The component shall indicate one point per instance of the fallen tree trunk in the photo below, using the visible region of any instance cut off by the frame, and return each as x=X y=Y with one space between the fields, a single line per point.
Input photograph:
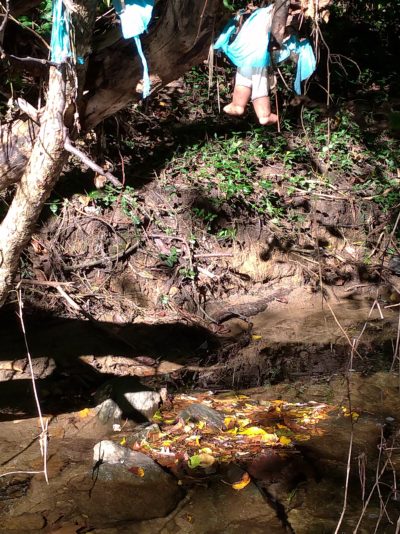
x=180 y=39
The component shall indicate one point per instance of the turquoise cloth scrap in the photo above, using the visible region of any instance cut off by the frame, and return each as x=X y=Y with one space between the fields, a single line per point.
x=249 y=49
x=60 y=44
x=306 y=64
x=135 y=16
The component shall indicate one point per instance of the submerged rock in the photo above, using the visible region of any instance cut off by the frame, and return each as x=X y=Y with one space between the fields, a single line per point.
x=200 y=412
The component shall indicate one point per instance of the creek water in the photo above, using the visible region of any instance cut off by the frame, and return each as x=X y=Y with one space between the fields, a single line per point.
x=307 y=353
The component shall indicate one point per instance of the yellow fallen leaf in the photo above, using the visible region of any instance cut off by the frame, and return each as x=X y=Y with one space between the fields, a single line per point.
x=84 y=413
x=355 y=416
x=123 y=441
x=269 y=438
x=243 y=482
x=285 y=440
x=253 y=431
x=242 y=422
x=201 y=460
x=138 y=471
x=256 y=338
x=201 y=424
x=206 y=450
x=228 y=421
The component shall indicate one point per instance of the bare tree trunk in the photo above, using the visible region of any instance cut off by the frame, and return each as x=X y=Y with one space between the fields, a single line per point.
x=44 y=167
x=48 y=154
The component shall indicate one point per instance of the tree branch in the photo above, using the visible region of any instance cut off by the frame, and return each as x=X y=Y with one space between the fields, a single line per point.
x=91 y=164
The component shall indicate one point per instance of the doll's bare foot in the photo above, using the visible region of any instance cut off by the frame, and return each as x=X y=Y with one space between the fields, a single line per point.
x=269 y=119
x=231 y=109
x=240 y=97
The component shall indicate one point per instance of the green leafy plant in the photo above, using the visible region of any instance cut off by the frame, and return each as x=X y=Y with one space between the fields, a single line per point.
x=110 y=196
x=172 y=258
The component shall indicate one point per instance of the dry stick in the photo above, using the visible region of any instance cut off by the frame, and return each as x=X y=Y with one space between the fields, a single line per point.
x=43 y=424
x=348 y=468
x=214 y=255
x=277 y=111
x=354 y=344
x=342 y=329
x=28 y=59
x=200 y=21
x=370 y=496
x=44 y=283
x=396 y=350
x=5 y=20
x=100 y=261
x=398 y=526
x=377 y=476
x=69 y=147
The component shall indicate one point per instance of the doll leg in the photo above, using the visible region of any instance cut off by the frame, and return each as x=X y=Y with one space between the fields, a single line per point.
x=241 y=95
x=260 y=98
x=262 y=107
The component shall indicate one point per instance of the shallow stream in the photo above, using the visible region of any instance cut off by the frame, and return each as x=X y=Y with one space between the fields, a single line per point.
x=302 y=352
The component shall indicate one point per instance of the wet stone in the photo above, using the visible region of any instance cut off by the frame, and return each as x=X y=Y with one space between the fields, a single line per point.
x=200 y=412
x=128 y=486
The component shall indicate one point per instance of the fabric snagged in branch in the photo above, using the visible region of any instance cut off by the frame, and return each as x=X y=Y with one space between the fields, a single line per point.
x=135 y=16
x=60 y=43
x=249 y=49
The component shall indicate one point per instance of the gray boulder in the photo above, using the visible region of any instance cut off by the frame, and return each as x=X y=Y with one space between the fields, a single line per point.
x=127 y=486
x=126 y=397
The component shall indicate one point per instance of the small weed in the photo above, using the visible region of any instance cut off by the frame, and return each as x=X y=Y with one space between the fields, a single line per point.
x=187 y=273
x=207 y=216
x=227 y=233
x=164 y=299
x=110 y=195
x=172 y=258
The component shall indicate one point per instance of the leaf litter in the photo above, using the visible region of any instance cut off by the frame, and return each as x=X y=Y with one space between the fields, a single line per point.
x=250 y=427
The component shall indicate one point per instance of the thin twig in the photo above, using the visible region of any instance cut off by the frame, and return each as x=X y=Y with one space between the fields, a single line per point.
x=101 y=261
x=43 y=440
x=200 y=21
x=91 y=164
x=350 y=452
x=5 y=20
x=43 y=283
x=28 y=59
x=214 y=255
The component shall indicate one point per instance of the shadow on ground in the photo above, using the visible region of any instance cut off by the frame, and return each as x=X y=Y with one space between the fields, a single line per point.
x=68 y=383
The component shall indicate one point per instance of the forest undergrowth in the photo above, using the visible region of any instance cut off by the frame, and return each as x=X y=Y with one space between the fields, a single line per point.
x=214 y=207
